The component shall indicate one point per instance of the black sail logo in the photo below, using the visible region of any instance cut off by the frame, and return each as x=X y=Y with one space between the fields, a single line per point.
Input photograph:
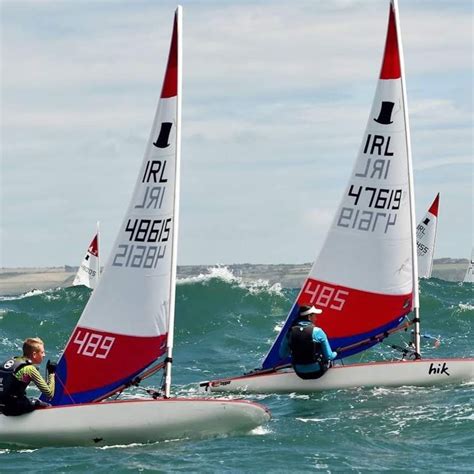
x=385 y=114
x=163 y=138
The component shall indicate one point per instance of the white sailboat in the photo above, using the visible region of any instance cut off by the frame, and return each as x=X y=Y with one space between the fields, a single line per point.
x=365 y=278
x=126 y=329
x=469 y=276
x=426 y=239
x=89 y=270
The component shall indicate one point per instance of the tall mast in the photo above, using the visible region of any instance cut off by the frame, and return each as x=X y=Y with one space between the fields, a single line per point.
x=98 y=253
x=169 y=357
x=411 y=189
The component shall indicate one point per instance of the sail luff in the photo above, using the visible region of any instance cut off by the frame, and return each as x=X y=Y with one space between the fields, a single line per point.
x=411 y=188
x=174 y=256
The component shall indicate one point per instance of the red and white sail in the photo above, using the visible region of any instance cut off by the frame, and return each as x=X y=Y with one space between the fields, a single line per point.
x=125 y=326
x=363 y=277
x=89 y=270
x=426 y=239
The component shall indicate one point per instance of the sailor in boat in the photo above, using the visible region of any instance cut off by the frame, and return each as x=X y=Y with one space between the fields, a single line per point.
x=308 y=345
x=17 y=373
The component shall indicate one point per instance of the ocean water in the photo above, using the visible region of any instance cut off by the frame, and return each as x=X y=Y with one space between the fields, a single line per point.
x=225 y=327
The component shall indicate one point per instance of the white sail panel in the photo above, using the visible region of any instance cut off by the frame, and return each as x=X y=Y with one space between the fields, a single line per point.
x=368 y=246
x=469 y=276
x=140 y=261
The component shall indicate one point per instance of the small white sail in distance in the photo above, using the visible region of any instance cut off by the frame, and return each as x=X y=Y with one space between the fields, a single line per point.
x=88 y=273
x=426 y=239
x=469 y=276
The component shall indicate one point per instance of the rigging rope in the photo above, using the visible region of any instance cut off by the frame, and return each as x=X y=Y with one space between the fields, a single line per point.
x=134 y=382
x=377 y=338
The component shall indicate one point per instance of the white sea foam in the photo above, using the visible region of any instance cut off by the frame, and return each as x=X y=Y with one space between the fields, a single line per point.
x=33 y=292
x=7 y=451
x=260 y=431
x=317 y=420
x=299 y=396
x=278 y=327
x=9 y=344
x=119 y=446
x=52 y=295
x=218 y=272
x=225 y=274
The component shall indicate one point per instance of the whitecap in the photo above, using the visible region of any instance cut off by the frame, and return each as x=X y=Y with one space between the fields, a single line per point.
x=317 y=420
x=260 y=431
x=33 y=292
x=225 y=274
x=218 y=272
x=298 y=396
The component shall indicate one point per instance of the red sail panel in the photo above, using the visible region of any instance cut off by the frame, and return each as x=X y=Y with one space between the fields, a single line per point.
x=94 y=247
x=170 y=84
x=97 y=362
x=349 y=312
x=391 y=57
x=434 y=207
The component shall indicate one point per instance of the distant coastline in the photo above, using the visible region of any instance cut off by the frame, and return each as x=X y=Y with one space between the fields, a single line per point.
x=15 y=281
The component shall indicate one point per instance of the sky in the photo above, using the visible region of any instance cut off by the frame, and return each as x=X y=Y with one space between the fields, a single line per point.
x=276 y=97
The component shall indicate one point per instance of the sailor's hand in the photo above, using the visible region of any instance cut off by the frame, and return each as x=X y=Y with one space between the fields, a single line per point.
x=51 y=367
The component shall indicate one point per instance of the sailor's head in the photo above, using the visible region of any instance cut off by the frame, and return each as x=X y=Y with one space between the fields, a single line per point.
x=33 y=349
x=308 y=312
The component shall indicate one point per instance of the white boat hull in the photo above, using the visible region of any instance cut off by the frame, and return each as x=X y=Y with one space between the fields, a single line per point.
x=378 y=374
x=130 y=421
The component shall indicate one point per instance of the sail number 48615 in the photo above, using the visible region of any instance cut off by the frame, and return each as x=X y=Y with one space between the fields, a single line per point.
x=324 y=296
x=93 y=345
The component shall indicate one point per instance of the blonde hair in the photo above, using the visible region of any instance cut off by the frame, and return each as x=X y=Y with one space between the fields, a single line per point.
x=32 y=344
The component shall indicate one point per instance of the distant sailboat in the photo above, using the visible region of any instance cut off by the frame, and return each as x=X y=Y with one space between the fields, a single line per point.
x=469 y=276
x=426 y=239
x=125 y=332
x=89 y=270
x=365 y=278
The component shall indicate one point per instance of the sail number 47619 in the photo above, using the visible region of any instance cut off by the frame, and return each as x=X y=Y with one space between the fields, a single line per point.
x=93 y=345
